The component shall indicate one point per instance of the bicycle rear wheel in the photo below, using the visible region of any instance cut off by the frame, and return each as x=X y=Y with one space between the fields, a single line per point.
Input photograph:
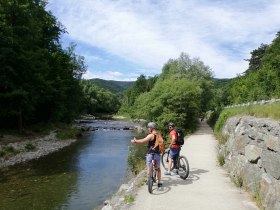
x=165 y=160
x=184 y=167
x=151 y=178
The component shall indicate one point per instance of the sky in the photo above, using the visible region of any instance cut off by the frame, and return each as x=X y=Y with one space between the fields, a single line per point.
x=122 y=39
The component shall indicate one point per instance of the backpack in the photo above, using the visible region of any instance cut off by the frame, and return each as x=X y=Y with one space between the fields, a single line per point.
x=180 y=136
x=160 y=143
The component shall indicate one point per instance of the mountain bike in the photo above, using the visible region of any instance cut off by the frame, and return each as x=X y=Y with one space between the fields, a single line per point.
x=152 y=173
x=180 y=164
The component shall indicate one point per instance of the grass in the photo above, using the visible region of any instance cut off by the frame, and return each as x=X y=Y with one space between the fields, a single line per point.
x=221 y=159
x=67 y=132
x=129 y=198
x=271 y=111
x=7 y=151
x=30 y=147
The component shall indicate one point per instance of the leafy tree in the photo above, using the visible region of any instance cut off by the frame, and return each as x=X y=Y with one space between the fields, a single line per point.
x=98 y=100
x=255 y=62
x=181 y=93
x=38 y=80
x=262 y=79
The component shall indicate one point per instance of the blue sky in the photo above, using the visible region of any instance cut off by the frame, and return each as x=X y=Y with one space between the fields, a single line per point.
x=121 y=39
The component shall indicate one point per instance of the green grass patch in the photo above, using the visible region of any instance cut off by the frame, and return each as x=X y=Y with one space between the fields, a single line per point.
x=136 y=158
x=8 y=151
x=221 y=159
x=129 y=198
x=67 y=132
x=30 y=147
x=271 y=111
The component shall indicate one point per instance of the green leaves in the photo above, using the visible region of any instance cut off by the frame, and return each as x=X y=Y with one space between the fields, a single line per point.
x=38 y=79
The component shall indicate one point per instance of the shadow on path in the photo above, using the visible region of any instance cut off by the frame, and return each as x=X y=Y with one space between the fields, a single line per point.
x=170 y=182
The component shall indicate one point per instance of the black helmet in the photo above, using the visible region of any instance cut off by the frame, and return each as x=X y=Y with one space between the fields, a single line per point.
x=171 y=124
x=152 y=125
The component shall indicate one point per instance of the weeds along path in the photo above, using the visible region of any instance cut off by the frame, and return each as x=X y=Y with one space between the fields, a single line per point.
x=207 y=187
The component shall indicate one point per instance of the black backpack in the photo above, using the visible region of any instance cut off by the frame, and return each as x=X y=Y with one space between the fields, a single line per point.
x=180 y=136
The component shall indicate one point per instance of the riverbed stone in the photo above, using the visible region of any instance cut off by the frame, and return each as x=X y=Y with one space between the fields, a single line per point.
x=252 y=153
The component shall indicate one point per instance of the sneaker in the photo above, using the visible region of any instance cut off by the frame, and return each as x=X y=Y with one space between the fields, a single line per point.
x=175 y=171
x=159 y=184
x=167 y=173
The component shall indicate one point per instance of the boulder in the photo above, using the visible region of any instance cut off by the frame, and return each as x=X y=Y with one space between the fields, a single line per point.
x=253 y=153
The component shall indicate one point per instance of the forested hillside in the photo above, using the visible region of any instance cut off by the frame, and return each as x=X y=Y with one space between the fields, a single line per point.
x=262 y=79
x=111 y=85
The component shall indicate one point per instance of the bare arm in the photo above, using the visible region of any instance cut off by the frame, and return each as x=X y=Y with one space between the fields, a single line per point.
x=144 y=140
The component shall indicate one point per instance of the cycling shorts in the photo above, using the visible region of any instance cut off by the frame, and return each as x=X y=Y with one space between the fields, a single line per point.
x=174 y=152
x=149 y=159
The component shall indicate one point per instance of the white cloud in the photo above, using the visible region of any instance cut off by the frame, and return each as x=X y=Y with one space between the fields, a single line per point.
x=221 y=33
x=110 y=75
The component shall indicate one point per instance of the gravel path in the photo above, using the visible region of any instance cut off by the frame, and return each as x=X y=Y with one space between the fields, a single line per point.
x=207 y=187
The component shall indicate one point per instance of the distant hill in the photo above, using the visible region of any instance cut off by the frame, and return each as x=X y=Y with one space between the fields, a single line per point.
x=112 y=85
x=221 y=83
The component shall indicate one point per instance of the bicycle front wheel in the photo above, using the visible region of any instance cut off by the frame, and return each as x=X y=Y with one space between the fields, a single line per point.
x=184 y=168
x=151 y=178
x=165 y=159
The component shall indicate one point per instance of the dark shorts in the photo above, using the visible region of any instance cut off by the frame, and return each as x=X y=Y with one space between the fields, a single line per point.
x=174 y=152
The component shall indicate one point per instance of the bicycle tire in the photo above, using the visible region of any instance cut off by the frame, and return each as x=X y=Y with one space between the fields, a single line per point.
x=184 y=168
x=151 y=178
x=165 y=160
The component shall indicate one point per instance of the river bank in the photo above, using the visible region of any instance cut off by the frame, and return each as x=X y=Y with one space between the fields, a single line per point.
x=22 y=150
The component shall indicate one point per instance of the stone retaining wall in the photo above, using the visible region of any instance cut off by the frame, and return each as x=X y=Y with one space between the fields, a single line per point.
x=252 y=157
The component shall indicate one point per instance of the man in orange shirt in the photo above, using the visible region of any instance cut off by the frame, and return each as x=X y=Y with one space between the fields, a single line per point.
x=174 y=147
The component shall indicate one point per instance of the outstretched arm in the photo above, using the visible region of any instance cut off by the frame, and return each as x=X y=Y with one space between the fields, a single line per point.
x=141 y=141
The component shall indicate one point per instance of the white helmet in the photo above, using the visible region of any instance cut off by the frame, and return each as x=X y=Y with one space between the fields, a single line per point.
x=152 y=125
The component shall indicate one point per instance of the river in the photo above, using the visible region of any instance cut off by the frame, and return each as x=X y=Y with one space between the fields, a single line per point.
x=79 y=177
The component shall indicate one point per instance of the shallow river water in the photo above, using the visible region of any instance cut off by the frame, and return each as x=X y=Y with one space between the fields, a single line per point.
x=79 y=177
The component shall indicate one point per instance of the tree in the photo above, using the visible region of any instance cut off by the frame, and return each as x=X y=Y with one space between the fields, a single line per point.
x=38 y=80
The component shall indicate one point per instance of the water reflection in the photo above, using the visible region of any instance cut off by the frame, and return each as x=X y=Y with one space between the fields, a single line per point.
x=81 y=176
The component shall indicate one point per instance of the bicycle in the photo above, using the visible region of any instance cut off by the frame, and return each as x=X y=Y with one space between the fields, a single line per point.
x=180 y=164
x=152 y=173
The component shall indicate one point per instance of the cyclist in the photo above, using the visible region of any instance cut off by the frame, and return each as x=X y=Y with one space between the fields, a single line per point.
x=174 y=147
x=151 y=140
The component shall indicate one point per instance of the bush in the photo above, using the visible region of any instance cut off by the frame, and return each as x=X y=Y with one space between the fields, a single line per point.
x=136 y=158
x=29 y=147
x=67 y=133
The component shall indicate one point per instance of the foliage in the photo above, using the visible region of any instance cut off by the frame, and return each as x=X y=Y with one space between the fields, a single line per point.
x=38 y=80
x=262 y=79
x=129 y=198
x=141 y=85
x=30 y=147
x=8 y=151
x=181 y=93
x=262 y=111
x=136 y=158
x=98 y=100
x=67 y=132
x=112 y=86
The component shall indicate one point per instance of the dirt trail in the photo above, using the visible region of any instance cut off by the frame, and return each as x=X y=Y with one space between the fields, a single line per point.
x=207 y=187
